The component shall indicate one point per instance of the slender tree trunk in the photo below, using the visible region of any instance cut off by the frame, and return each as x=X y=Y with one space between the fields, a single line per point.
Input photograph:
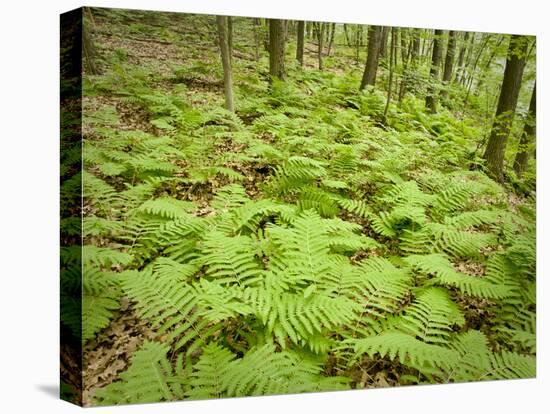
x=331 y=38
x=461 y=53
x=431 y=97
x=371 y=66
x=319 y=28
x=277 y=48
x=358 y=41
x=415 y=50
x=230 y=37
x=472 y=71
x=223 y=37
x=383 y=41
x=469 y=53
x=393 y=56
x=527 y=136
x=403 y=46
x=89 y=50
x=300 y=43
x=408 y=61
x=257 y=28
x=346 y=34
x=504 y=117
x=487 y=65
x=449 y=60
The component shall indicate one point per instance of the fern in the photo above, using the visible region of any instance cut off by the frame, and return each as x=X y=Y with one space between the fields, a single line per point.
x=408 y=349
x=150 y=378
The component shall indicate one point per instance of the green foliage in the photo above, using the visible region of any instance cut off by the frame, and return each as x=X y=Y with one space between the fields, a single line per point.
x=284 y=247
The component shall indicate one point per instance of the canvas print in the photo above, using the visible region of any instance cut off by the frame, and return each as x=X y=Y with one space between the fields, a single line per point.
x=258 y=206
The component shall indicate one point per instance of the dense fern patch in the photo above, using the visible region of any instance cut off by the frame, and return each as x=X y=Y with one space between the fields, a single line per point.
x=282 y=249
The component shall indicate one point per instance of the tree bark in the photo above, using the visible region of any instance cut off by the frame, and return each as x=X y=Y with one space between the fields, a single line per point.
x=449 y=61
x=331 y=38
x=504 y=117
x=277 y=48
x=300 y=43
x=371 y=66
x=223 y=37
x=415 y=50
x=461 y=53
x=383 y=41
x=403 y=46
x=528 y=135
x=393 y=56
x=320 y=28
x=431 y=97
x=230 y=37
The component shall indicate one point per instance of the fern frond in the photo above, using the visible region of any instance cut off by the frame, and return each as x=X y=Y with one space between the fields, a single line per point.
x=406 y=348
x=148 y=379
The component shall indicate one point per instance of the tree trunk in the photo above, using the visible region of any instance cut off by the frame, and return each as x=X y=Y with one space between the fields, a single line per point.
x=358 y=41
x=230 y=37
x=468 y=58
x=257 y=28
x=460 y=63
x=346 y=34
x=89 y=50
x=509 y=92
x=331 y=38
x=487 y=65
x=415 y=50
x=431 y=97
x=277 y=48
x=383 y=41
x=527 y=136
x=403 y=46
x=300 y=43
x=449 y=61
x=470 y=81
x=223 y=37
x=371 y=66
x=319 y=29
x=393 y=56
x=409 y=60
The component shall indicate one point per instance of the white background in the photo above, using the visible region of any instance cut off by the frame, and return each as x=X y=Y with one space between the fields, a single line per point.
x=29 y=204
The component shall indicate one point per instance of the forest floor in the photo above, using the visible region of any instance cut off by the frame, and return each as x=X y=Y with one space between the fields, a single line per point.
x=179 y=56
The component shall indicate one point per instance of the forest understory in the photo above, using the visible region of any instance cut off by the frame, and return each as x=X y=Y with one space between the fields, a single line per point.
x=320 y=236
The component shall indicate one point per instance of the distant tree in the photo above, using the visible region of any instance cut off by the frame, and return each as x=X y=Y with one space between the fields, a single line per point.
x=415 y=47
x=461 y=54
x=449 y=61
x=277 y=48
x=527 y=136
x=358 y=41
x=319 y=29
x=383 y=41
x=300 y=42
x=331 y=38
x=346 y=34
x=431 y=97
x=257 y=33
x=403 y=45
x=393 y=56
x=223 y=37
x=371 y=66
x=504 y=117
x=487 y=65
